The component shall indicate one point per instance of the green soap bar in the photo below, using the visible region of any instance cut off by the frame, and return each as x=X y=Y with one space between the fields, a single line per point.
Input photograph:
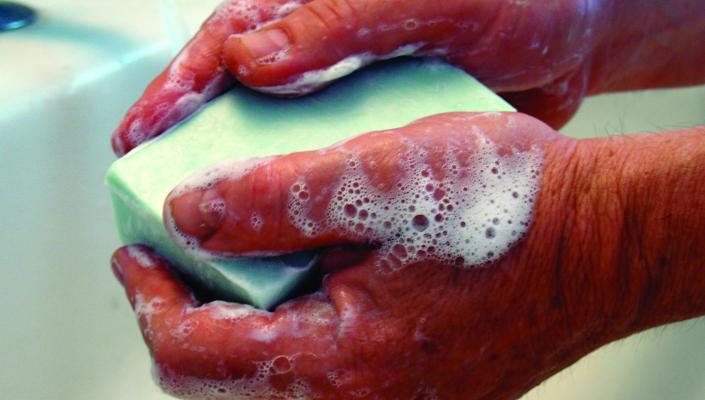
x=243 y=124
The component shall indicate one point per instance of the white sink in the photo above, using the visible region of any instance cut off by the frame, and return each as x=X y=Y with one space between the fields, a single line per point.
x=66 y=329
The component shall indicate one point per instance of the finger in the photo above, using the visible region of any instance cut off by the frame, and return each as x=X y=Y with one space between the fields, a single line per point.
x=154 y=294
x=231 y=349
x=324 y=32
x=257 y=207
x=401 y=186
x=195 y=76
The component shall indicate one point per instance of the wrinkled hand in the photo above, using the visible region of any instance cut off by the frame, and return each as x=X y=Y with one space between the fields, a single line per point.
x=409 y=314
x=536 y=53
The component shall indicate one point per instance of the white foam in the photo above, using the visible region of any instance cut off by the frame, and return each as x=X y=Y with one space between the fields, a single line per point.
x=256 y=387
x=470 y=217
x=220 y=310
x=252 y=13
x=312 y=80
x=147 y=309
x=265 y=334
x=143 y=259
x=184 y=329
x=286 y=9
x=339 y=377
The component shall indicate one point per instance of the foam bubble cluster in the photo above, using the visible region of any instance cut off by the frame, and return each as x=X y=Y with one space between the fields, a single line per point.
x=256 y=386
x=470 y=216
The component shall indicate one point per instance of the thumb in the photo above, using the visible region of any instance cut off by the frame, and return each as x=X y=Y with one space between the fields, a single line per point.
x=323 y=34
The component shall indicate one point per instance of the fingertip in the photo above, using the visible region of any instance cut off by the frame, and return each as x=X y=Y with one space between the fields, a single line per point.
x=197 y=213
x=118 y=271
x=117 y=144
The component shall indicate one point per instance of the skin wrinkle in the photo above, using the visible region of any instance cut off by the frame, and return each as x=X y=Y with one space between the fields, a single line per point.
x=641 y=277
x=653 y=218
x=324 y=14
x=628 y=283
x=593 y=202
x=610 y=208
x=562 y=195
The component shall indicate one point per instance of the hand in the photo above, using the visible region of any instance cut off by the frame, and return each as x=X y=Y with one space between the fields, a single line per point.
x=395 y=318
x=544 y=57
x=613 y=245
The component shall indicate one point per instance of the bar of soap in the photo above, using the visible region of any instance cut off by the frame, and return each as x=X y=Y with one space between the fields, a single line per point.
x=244 y=124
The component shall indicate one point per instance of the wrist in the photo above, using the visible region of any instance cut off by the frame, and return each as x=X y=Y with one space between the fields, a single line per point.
x=664 y=196
x=640 y=221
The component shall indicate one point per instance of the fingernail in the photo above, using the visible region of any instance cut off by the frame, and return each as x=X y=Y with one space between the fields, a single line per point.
x=264 y=43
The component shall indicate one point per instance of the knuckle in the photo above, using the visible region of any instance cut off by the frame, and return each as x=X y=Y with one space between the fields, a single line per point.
x=333 y=15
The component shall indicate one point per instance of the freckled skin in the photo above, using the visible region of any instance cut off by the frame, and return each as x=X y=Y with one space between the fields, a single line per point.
x=544 y=57
x=616 y=247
